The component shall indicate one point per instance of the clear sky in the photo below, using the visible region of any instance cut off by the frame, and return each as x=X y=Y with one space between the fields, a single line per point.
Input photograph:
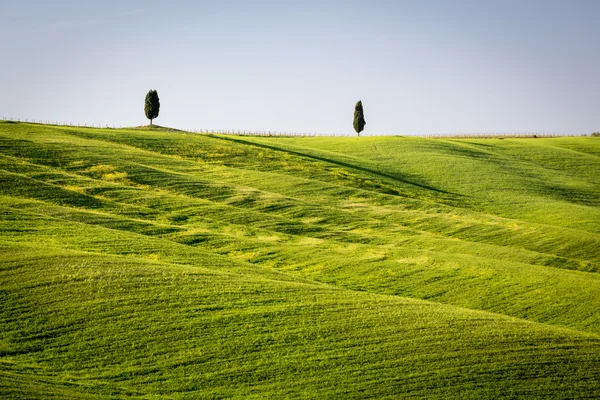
x=422 y=66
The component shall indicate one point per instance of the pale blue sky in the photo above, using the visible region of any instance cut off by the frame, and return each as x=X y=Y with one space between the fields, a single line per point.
x=419 y=66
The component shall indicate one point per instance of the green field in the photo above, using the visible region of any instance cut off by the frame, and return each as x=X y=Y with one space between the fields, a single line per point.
x=147 y=263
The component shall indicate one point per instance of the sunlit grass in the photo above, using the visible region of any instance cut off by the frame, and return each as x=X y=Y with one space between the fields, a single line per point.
x=154 y=263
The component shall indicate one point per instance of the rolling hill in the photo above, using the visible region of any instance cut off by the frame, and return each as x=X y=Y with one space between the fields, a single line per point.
x=142 y=263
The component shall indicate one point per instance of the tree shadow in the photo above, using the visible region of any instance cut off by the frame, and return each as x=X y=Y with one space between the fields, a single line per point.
x=342 y=164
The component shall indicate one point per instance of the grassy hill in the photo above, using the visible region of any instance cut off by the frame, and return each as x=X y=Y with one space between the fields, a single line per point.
x=162 y=264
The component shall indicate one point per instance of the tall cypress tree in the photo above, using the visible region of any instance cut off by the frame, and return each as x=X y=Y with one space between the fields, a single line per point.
x=152 y=105
x=359 y=118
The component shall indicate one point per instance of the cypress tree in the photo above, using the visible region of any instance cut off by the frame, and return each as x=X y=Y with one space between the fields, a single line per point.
x=152 y=105
x=359 y=118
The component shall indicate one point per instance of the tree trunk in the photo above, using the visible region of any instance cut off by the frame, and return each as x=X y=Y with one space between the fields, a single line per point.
x=150 y=121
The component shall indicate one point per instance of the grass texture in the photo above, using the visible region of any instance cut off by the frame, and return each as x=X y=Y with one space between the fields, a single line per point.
x=162 y=264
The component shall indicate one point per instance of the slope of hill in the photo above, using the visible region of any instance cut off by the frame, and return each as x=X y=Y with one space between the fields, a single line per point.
x=145 y=263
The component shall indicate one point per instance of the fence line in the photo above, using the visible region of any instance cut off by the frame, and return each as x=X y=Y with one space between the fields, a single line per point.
x=244 y=132
x=514 y=135
x=63 y=123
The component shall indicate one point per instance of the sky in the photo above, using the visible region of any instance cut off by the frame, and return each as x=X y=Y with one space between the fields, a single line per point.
x=419 y=66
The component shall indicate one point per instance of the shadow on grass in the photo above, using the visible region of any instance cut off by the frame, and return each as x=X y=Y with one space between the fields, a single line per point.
x=342 y=164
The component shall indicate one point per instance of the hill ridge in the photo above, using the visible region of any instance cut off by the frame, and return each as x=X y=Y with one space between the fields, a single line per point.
x=126 y=240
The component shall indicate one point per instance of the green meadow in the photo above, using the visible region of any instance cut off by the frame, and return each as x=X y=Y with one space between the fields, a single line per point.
x=153 y=263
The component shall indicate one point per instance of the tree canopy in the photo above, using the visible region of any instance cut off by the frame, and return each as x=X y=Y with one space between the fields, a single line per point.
x=152 y=105
x=359 y=118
